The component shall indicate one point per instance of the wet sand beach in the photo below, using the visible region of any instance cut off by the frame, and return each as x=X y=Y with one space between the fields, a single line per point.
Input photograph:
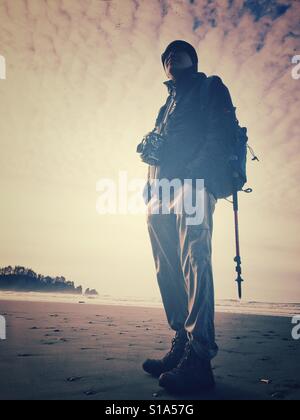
x=81 y=352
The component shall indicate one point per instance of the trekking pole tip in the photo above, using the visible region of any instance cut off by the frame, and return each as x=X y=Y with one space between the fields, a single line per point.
x=239 y=281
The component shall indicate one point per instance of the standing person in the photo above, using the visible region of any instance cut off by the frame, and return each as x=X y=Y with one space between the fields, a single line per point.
x=194 y=128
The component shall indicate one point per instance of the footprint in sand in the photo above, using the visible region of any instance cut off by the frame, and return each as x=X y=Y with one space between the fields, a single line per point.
x=159 y=393
x=74 y=379
x=90 y=393
x=48 y=343
x=26 y=355
x=278 y=396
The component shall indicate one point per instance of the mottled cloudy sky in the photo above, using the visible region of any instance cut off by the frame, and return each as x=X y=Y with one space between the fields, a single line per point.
x=84 y=84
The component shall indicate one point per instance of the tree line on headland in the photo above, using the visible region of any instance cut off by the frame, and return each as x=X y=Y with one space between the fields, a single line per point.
x=22 y=279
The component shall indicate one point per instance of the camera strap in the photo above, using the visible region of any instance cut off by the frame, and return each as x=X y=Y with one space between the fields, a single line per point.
x=169 y=108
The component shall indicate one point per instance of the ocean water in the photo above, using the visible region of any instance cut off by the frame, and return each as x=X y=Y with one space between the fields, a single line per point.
x=227 y=306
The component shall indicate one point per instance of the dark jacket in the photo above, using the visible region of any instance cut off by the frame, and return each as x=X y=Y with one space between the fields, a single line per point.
x=196 y=130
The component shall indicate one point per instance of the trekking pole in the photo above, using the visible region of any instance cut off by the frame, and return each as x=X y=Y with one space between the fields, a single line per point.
x=237 y=259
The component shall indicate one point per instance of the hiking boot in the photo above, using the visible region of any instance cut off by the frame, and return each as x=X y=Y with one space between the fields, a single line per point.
x=171 y=359
x=191 y=375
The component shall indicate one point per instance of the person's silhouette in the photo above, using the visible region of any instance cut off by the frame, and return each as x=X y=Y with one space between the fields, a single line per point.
x=182 y=252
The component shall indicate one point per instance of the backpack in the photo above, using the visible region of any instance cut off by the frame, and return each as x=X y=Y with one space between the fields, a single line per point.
x=238 y=158
x=230 y=173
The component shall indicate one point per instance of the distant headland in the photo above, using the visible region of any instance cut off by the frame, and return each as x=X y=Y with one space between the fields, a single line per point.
x=22 y=279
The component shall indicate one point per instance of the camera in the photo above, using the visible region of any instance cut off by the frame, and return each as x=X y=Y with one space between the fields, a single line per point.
x=151 y=148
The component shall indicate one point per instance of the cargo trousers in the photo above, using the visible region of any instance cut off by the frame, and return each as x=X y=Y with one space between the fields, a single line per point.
x=183 y=260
